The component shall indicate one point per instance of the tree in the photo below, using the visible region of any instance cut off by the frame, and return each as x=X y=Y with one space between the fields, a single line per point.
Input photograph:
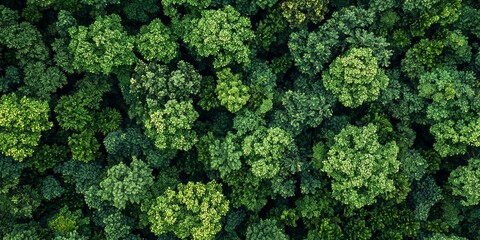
x=184 y=82
x=233 y=222
x=401 y=100
x=116 y=225
x=306 y=106
x=431 y=12
x=41 y=81
x=22 y=37
x=47 y=156
x=304 y=110
x=154 y=84
x=311 y=51
x=464 y=180
x=270 y=152
x=125 y=184
x=262 y=82
x=357 y=229
x=357 y=183
x=222 y=33
x=11 y=78
x=82 y=175
x=51 y=188
x=171 y=127
x=20 y=203
x=355 y=77
x=249 y=192
x=193 y=210
x=66 y=221
x=301 y=12
x=246 y=122
x=447 y=48
x=158 y=82
x=264 y=230
x=65 y=21
x=208 y=96
x=81 y=113
x=468 y=19
x=161 y=100
x=171 y=7
x=156 y=42
x=452 y=109
x=127 y=142
x=312 y=207
x=141 y=10
x=63 y=57
x=84 y=146
x=9 y=174
x=326 y=229
x=389 y=221
x=225 y=155
x=426 y=194
x=22 y=121
x=72 y=113
x=270 y=29
x=102 y=46
x=230 y=90
x=107 y=120
x=131 y=142
x=29 y=230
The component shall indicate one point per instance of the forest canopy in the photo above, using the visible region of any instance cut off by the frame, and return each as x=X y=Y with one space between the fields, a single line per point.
x=240 y=119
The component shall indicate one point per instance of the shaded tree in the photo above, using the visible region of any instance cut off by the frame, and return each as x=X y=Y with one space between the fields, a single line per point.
x=265 y=229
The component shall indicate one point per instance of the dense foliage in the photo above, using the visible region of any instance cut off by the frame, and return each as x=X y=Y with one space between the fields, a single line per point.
x=240 y=119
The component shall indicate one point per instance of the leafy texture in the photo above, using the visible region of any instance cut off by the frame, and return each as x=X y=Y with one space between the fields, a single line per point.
x=464 y=180
x=230 y=90
x=156 y=42
x=22 y=121
x=101 y=46
x=357 y=183
x=193 y=210
x=452 y=109
x=222 y=34
x=125 y=184
x=265 y=229
x=239 y=119
x=171 y=126
x=301 y=12
x=355 y=78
